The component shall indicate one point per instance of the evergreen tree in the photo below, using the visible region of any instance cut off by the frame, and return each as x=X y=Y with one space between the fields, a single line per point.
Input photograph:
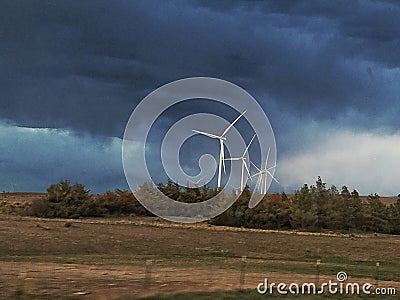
x=304 y=209
x=376 y=218
x=394 y=217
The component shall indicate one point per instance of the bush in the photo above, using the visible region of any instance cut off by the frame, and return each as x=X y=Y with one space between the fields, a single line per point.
x=64 y=201
x=120 y=203
x=40 y=208
x=73 y=201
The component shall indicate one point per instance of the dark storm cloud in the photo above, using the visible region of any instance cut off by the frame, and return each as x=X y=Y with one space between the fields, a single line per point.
x=84 y=65
x=374 y=25
x=318 y=68
x=55 y=69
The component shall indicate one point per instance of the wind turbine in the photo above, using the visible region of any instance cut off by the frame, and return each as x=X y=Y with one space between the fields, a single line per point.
x=197 y=182
x=244 y=164
x=262 y=175
x=221 y=138
x=236 y=190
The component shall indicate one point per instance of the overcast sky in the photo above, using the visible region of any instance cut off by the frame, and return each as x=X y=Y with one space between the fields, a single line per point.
x=326 y=73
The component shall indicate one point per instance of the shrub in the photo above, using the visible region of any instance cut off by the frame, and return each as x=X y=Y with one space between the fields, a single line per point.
x=73 y=201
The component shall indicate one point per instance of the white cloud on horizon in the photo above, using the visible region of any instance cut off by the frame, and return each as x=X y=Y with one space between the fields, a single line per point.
x=367 y=162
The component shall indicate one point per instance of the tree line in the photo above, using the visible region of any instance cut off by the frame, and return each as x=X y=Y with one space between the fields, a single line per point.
x=312 y=208
x=315 y=208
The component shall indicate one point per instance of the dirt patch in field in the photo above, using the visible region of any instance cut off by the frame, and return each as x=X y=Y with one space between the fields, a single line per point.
x=48 y=280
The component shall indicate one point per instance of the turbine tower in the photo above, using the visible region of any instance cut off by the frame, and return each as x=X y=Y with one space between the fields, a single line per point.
x=221 y=138
x=244 y=164
x=262 y=176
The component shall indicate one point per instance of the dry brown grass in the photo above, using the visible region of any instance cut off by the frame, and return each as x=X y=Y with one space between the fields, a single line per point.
x=105 y=258
x=17 y=202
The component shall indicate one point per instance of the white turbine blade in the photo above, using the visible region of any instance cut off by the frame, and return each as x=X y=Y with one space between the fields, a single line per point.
x=233 y=123
x=269 y=173
x=255 y=188
x=233 y=158
x=271 y=167
x=236 y=188
x=266 y=161
x=196 y=182
x=222 y=154
x=258 y=184
x=255 y=166
x=257 y=174
x=247 y=169
x=207 y=134
x=248 y=146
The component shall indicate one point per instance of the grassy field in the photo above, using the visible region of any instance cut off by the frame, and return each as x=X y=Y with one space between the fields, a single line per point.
x=111 y=258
